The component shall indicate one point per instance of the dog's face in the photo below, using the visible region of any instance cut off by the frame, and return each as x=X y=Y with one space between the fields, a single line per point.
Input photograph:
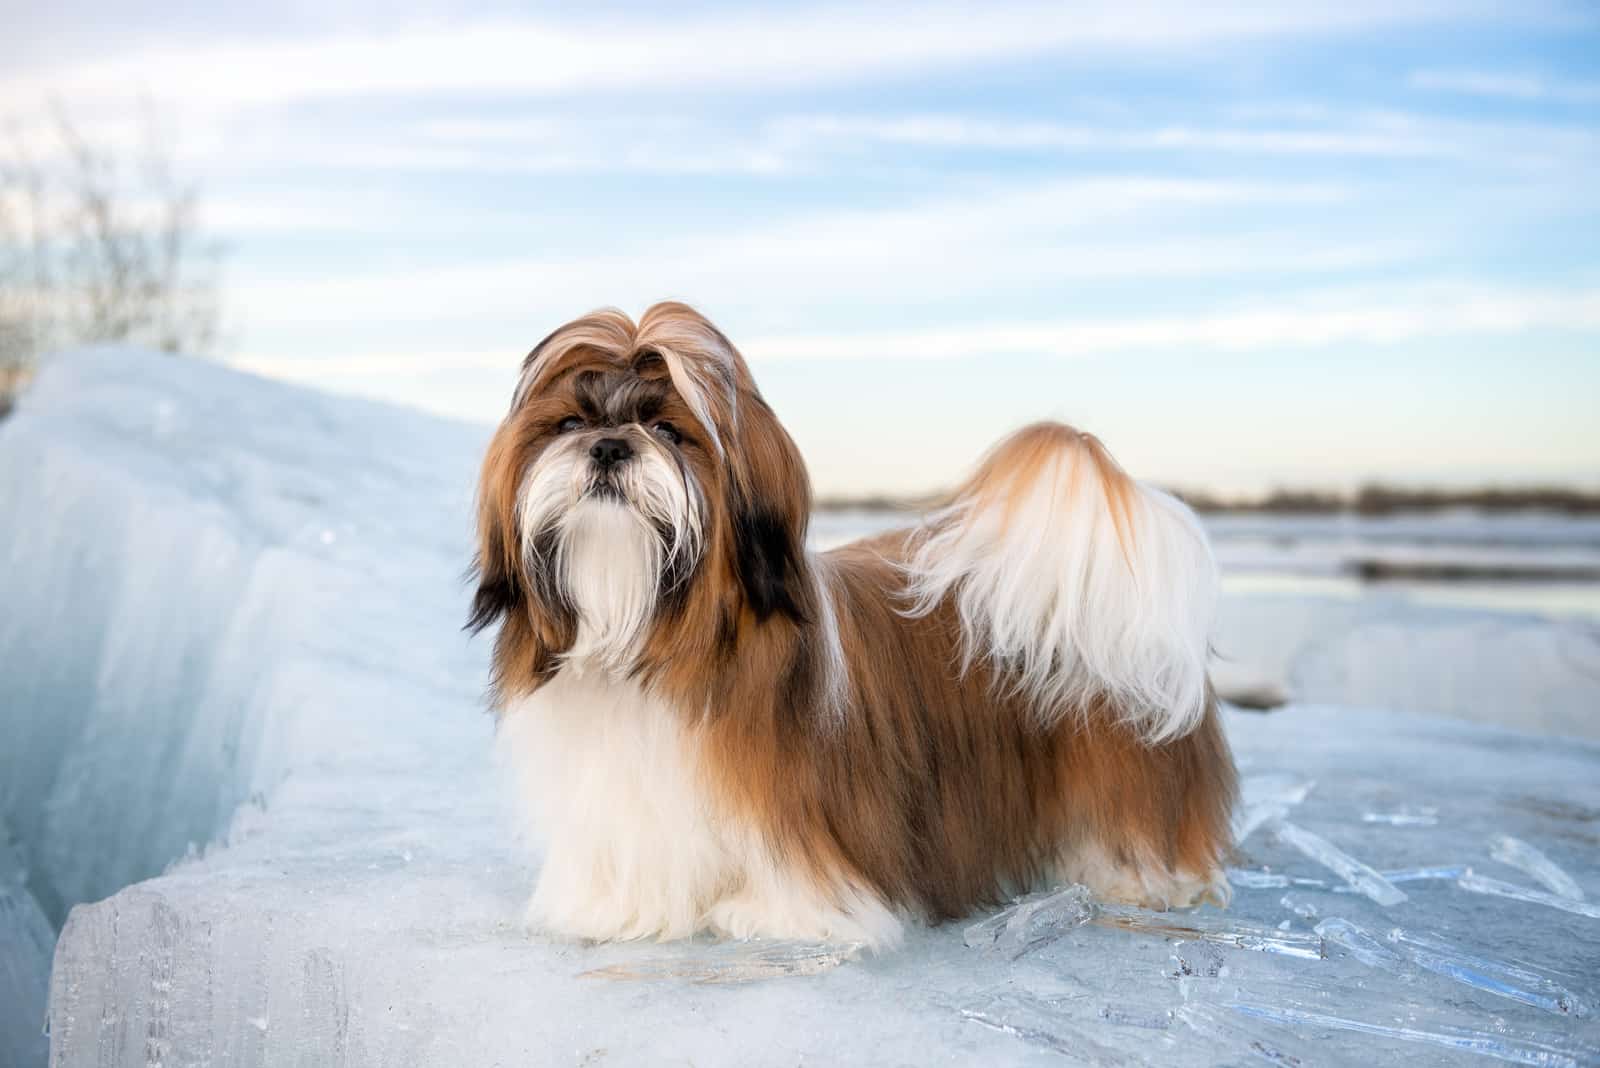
x=639 y=481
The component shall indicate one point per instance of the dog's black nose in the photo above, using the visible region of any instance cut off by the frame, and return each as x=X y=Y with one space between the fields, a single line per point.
x=608 y=451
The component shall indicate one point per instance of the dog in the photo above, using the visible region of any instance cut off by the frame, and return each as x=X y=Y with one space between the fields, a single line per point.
x=716 y=729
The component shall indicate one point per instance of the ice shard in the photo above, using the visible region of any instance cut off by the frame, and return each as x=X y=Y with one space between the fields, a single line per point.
x=1448 y=873
x=1500 y=978
x=1360 y=876
x=1300 y=906
x=1246 y=879
x=1031 y=921
x=1482 y=884
x=1197 y=927
x=733 y=962
x=1549 y=1054
x=1248 y=819
x=1362 y=946
x=1519 y=854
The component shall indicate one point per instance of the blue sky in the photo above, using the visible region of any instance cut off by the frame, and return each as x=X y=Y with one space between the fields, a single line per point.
x=1248 y=245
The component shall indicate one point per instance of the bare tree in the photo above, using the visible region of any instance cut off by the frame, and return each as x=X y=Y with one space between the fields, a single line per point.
x=99 y=247
x=24 y=267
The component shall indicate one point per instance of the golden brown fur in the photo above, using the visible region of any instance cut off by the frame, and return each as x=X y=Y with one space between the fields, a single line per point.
x=935 y=788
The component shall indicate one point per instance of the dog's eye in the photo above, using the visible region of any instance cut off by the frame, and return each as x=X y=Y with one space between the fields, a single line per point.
x=569 y=424
x=667 y=432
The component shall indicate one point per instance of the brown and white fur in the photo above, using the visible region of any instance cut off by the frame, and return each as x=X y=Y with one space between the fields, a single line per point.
x=717 y=729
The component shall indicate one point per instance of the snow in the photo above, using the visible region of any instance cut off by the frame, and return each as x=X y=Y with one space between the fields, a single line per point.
x=233 y=615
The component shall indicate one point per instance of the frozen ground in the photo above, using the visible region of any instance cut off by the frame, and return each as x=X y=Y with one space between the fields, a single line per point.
x=232 y=613
x=367 y=919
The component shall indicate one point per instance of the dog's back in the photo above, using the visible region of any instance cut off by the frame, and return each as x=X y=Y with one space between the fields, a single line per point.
x=1026 y=693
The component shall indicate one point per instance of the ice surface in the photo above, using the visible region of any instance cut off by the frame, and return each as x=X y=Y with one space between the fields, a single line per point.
x=1421 y=816
x=1049 y=1026
x=211 y=583
x=1519 y=854
x=1231 y=1030
x=279 y=575
x=1274 y=788
x=1360 y=876
x=194 y=560
x=26 y=941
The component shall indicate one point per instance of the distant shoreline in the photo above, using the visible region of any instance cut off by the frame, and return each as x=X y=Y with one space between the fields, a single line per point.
x=1375 y=500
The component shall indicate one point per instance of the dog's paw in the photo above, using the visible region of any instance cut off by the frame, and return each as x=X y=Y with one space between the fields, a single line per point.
x=1185 y=890
x=1150 y=884
x=594 y=921
x=804 y=917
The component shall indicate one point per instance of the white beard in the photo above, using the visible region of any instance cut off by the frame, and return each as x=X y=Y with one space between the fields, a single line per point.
x=610 y=565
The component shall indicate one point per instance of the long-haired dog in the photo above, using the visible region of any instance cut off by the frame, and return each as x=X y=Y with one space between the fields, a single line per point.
x=718 y=729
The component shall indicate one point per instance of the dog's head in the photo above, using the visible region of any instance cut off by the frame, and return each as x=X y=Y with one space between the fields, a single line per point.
x=639 y=483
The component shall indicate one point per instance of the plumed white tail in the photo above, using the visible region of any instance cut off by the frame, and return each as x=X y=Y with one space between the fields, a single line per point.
x=1078 y=582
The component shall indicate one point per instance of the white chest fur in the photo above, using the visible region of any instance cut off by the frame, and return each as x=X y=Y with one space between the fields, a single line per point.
x=611 y=782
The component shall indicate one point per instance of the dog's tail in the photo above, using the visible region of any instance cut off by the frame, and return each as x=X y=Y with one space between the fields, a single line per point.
x=1083 y=586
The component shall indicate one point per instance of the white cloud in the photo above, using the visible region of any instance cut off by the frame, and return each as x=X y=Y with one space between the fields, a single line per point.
x=1517 y=86
x=1313 y=132
x=1296 y=323
x=711 y=51
x=1300 y=321
x=844 y=145
x=977 y=242
x=980 y=133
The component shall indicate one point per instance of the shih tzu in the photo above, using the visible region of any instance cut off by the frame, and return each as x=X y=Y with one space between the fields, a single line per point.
x=717 y=729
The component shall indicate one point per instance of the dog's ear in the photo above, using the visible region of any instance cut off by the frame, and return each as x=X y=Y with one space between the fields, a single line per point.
x=493 y=567
x=770 y=506
x=770 y=562
x=497 y=594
